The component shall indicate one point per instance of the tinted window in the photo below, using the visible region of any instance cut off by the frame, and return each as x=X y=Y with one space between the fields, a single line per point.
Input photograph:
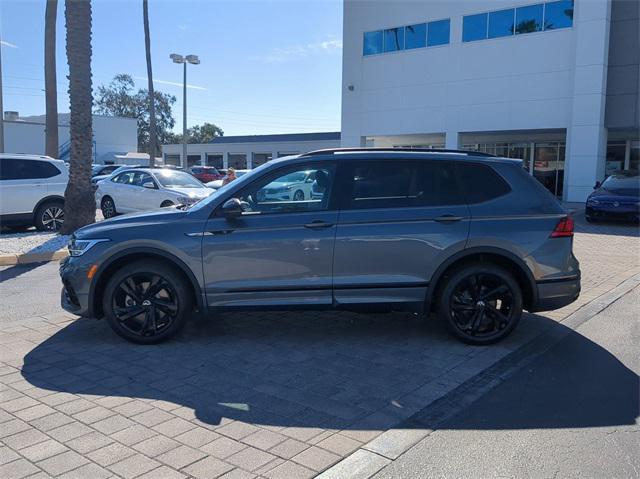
x=438 y=33
x=558 y=15
x=481 y=182
x=298 y=190
x=501 y=23
x=394 y=39
x=474 y=27
x=16 y=169
x=402 y=185
x=529 y=19
x=140 y=179
x=125 y=178
x=415 y=36
x=372 y=43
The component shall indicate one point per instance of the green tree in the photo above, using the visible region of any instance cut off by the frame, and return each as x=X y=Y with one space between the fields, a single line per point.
x=79 y=201
x=199 y=134
x=119 y=98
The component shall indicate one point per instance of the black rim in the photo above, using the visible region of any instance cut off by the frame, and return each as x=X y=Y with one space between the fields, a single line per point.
x=53 y=217
x=481 y=305
x=145 y=304
x=108 y=209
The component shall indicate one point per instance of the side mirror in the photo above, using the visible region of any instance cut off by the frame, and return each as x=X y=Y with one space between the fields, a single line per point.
x=232 y=208
x=149 y=184
x=597 y=185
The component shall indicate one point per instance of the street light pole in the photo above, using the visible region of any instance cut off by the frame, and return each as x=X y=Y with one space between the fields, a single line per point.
x=194 y=60
x=1 y=108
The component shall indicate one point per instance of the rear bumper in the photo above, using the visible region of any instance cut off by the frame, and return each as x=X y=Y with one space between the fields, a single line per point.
x=555 y=294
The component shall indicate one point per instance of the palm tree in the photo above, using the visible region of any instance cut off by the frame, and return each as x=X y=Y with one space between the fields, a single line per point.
x=152 y=107
x=50 y=82
x=79 y=204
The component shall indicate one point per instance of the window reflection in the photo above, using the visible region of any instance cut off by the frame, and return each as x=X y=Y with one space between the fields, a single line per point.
x=372 y=43
x=529 y=18
x=438 y=32
x=558 y=15
x=501 y=23
x=394 y=39
x=474 y=27
x=415 y=36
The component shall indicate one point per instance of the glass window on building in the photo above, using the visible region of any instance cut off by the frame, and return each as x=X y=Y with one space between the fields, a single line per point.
x=438 y=32
x=474 y=27
x=193 y=160
x=260 y=159
x=216 y=160
x=529 y=18
x=634 y=157
x=520 y=151
x=172 y=160
x=615 y=156
x=548 y=166
x=501 y=23
x=372 y=43
x=394 y=39
x=415 y=36
x=237 y=161
x=558 y=15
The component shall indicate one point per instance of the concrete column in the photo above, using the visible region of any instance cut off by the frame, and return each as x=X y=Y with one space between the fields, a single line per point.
x=452 y=140
x=586 y=133
x=274 y=155
x=225 y=160
x=203 y=159
x=249 y=160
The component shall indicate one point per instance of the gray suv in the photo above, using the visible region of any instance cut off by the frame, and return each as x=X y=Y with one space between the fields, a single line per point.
x=470 y=237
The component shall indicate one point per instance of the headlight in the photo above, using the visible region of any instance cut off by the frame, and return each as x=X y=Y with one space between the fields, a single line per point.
x=187 y=200
x=78 y=247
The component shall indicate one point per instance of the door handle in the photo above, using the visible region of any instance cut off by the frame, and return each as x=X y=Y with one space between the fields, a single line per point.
x=448 y=219
x=318 y=224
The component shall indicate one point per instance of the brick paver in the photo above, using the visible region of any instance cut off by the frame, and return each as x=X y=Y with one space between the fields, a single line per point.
x=269 y=394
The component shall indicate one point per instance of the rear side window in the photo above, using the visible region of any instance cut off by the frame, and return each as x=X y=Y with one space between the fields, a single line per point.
x=17 y=169
x=402 y=184
x=481 y=183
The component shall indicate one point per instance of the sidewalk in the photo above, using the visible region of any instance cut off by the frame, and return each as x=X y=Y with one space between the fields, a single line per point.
x=260 y=394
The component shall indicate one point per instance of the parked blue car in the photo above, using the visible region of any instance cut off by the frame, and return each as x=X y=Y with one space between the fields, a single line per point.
x=617 y=198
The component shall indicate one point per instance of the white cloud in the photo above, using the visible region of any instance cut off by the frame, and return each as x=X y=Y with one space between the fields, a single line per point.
x=8 y=44
x=173 y=83
x=281 y=55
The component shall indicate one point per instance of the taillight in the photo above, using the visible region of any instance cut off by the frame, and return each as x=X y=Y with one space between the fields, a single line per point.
x=564 y=228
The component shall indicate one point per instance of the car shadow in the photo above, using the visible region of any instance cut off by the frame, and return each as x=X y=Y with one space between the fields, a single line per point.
x=321 y=370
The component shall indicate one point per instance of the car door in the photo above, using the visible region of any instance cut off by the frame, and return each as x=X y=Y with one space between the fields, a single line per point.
x=397 y=224
x=121 y=189
x=23 y=183
x=144 y=198
x=278 y=252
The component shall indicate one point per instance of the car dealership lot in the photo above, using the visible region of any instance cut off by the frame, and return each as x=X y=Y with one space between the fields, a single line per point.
x=270 y=394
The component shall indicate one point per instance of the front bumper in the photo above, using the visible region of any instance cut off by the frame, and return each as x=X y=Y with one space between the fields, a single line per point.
x=556 y=294
x=74 y=296
x=622 y=213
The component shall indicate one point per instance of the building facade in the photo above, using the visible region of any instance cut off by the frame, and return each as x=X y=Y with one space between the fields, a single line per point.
x=112 y=136
x=246 y=152
x=553 y=83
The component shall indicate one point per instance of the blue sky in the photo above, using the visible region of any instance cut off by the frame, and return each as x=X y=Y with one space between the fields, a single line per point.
x=266 y=66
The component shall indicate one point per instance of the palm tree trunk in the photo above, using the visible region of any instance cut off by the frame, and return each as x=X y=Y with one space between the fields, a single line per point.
x=79 y=204
x=152 y=108
x=50 y=80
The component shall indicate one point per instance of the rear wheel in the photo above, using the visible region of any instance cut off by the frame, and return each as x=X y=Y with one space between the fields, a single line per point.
x=166 y=203
x=481 y=304
x=298 y=196
x=147 y=302
x=108 y=207
x=50 y=216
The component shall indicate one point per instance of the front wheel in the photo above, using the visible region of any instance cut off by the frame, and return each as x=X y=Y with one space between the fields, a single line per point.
x=147 y=302
x=50 y=216
x=108 y=207
x=481 y=304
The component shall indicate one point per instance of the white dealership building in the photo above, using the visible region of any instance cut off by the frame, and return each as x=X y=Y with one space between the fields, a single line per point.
x=553 y=83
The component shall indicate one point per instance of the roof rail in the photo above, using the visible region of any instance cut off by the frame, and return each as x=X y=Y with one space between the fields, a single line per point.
x=332 y=151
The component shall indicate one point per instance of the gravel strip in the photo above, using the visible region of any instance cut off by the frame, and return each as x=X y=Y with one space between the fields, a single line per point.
x=32 y=242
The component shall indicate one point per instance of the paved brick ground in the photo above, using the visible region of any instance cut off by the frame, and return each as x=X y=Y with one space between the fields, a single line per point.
x=264 y=394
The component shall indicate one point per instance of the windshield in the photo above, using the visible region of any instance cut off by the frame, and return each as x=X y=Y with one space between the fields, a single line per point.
x=95 y=169
x=177 y=179
x=622 y=184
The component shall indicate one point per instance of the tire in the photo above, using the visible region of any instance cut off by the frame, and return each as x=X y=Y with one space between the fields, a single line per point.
x=480 y=303
x=166 y=203
x=108 y=207
x=298 y=196
x=49 y=216
x=143 y=316
x=590 y=219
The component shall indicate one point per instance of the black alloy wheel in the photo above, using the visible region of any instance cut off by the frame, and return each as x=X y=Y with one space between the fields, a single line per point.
x=108 y=207
x=147 y=302
x=298 y=196
x=482 y=304
x=53 y=217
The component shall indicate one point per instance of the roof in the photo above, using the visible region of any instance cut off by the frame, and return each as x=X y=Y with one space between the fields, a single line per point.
x=319 y=136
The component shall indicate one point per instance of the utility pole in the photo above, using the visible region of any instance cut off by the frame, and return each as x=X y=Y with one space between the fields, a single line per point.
x=1 y=108
x=194 y=60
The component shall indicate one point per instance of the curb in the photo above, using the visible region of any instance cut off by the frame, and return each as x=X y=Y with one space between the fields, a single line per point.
x=381 y=451
x=26 y=258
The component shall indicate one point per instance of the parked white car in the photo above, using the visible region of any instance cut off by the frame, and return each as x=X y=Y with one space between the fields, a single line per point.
x=140 y=189
x=32 y=191
x=293 y=187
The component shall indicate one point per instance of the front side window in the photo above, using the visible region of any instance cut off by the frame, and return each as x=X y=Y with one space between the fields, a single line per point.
x=474 y=27
x=299 y=190
x=558 y=15
x=372 y=43
x=394 y=39
x=177 y=179
x=141 y=178
x=415 y=36
x=501 y=23
x=529 y=18
x=438 y=32
x=125 y=178
x=402 y=184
